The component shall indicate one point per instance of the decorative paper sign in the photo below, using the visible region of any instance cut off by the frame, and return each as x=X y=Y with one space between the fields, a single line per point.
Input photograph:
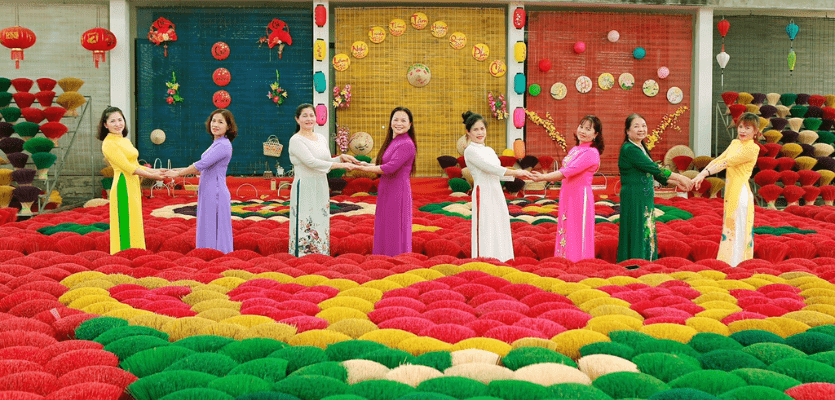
x=359 y=49
x=481 y=52
x=626 y=81
x=419 y=20
x=320 y=48
x=419 y=75
x=397 y=27
x=221 y=77
x=675 y=95
x=376 y=34
x=439 y=29
x=341 y=62
x=583 y=84
x=221 y=99
x=650 y=88
x=498 y=68
x=606 y=81
x=558 y=91
x=220 y=51
x=458 y=40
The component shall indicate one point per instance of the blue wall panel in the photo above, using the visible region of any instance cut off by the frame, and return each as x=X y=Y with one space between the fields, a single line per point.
x=252 y=70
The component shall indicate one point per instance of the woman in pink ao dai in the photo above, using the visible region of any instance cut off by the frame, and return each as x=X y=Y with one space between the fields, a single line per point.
x=575 y=223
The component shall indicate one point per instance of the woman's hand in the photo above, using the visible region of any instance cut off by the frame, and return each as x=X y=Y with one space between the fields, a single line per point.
x=697 y=181
x=347 y=158
x=521 y=174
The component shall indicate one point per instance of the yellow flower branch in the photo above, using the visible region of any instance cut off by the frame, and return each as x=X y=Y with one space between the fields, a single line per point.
x=548 y=124
x=668 y=121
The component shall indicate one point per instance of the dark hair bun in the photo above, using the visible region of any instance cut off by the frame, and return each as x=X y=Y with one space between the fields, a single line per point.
x=466 y=115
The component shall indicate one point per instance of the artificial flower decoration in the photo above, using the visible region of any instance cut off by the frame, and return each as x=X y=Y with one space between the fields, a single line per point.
x=278 y=33
x=668 y=121
x=498 y=106
x=342 y=97
x=162 y=32
x=548 y=124
x=173 y=93
x=342 y=134
x=277 y=94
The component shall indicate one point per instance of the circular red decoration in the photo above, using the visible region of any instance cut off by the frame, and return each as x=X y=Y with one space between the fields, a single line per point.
x=221 y=77
x=220 y=51
x=17 y=38
x=221 y=99
x=98 y=40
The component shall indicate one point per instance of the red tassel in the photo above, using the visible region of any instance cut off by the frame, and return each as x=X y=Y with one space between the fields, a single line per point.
x=17 y=56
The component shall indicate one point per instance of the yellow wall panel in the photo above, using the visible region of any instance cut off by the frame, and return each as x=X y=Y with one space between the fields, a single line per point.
x=459 y=82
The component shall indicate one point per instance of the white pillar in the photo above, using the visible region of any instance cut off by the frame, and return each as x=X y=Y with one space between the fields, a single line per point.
x=514 y=100
x=323 y=66
x=120 y=63
x=701 y=95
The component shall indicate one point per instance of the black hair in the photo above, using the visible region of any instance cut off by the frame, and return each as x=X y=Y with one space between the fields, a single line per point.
x=103 y=132
x=470 y=118
x=299 y=110
x=231 y=126
x=628 y=124
x=390 y=135
x=597 y=143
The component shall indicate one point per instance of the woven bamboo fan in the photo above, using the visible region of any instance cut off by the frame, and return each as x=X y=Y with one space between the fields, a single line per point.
x=679 y=157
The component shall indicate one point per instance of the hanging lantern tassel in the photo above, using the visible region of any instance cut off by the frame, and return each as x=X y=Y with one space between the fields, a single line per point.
x=17 y=56
x=99 y=55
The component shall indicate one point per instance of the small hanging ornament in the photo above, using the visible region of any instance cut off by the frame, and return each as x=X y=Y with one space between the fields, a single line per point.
x=162 y=32
x=722 y=58
x=792 y=29
x=17 y=38
x=98 y=40
x=278 y=33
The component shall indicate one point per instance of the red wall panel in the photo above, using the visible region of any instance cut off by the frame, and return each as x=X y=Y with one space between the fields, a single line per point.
x=667 y=39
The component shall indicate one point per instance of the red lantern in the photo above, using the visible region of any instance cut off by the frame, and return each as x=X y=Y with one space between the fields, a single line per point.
x=221 y=99
x=723 y=27
x=221 y=77
x=18 y=39
x=321 y=15
x=98 y=40
x=519 y=18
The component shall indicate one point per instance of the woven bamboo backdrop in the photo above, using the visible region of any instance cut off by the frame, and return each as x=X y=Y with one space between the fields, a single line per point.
x=459 y=82
x=667 y=39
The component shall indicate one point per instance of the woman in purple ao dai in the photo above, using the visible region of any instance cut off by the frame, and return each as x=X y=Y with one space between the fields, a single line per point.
x=214 y=203
x=575 y=223
x=395 y=163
